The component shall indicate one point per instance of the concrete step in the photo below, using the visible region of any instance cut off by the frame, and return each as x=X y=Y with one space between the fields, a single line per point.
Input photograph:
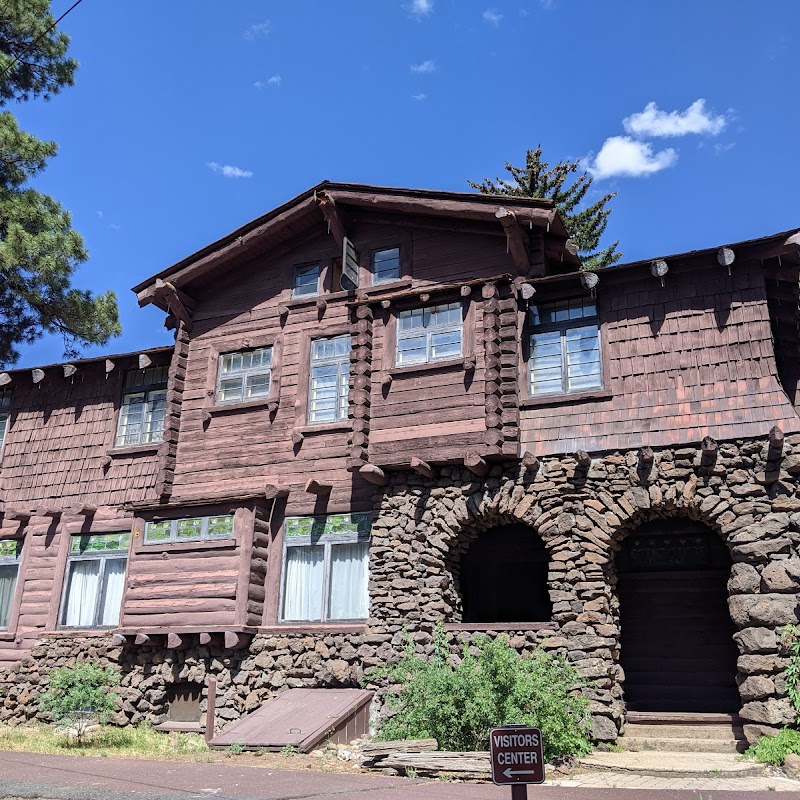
x=675 y=765
x=729 y=732
x=638 y=744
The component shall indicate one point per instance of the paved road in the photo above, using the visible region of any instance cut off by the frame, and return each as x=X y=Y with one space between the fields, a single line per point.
x=30 y=775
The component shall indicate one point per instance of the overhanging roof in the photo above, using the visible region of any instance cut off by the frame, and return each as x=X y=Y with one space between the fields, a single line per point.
x=303 y=209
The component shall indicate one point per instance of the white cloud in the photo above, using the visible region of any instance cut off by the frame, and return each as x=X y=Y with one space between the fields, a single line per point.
x=720 y=148
x=623 y=156
x=273 y=80
x=425 y=66
x=492 y=17
x=99 y=214
x=655 y=122
x=419 y=97
x=229 y=171
x=420 y=8
x=115 y=227
x=546 y=4
x=257 y=31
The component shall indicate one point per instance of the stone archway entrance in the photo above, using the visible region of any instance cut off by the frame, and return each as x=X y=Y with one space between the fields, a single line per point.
x=677 y=649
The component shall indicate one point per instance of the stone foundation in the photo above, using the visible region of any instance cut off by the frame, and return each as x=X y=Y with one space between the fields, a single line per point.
x=747 y=495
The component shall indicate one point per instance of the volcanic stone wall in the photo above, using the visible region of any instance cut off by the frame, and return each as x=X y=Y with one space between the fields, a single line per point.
x=747 y=493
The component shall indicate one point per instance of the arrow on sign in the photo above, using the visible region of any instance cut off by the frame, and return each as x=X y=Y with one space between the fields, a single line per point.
x=509 y=772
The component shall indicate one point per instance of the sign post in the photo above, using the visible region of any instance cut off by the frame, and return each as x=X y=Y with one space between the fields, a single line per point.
x=517 y=757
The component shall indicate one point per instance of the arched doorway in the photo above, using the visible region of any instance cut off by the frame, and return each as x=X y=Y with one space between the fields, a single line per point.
x=677 y=649
x=503 y=577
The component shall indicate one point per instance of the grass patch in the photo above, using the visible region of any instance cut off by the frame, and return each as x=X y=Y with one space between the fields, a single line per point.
x=129 y=742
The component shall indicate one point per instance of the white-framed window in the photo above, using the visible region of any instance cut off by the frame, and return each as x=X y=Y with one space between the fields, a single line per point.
x=306 y=281
x=386 y=265
x=245 y=375
x=5 y=414
x=189 y=529
x=564 y=344
x=328 y=382
x=144 y=406
x=429 y=333
x=326 y=568
x=10 y=551
x=95 y=580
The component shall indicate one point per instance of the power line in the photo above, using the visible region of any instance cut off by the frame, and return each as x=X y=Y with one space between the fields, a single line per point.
x=40 y=37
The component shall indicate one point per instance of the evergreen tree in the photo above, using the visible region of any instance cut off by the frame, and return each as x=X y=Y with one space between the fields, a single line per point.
x=538 y=179
x=39 y=250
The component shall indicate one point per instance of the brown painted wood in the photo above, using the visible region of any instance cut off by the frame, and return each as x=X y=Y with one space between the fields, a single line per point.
x=373 y=474
x=420 y=466
x=314 y=486
x=475 y=464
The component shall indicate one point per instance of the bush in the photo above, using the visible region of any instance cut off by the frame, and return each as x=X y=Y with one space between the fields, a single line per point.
x=80 y=695
x=791 y=643
x=774 y=749
x=459 y=705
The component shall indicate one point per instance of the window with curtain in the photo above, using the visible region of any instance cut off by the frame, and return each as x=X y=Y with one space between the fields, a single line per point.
x=328 y=383
x=429 y=333
x=95 y=580
x=564 y=347
x=326 y=568
x=10 y=550
x=189 y=529
x=144 y=406
x=245 y=375
x=5 y=414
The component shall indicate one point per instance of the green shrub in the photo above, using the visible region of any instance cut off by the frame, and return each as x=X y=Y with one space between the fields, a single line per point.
x=774 y=749
x=791 y=643
x=459 y=705
x=79 y=696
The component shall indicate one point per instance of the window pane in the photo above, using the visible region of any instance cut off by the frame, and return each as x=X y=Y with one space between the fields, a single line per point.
x=545 y=363
x=412 y=350
x=111 y=598
x=386 y=265
x=302 y=591
x=131 y=419
x=258 y=385
x=232 y=362
x=220 y=527
x=156 y=410
x=189 y=528
x=8 y=582
x=323 y=394
x=306 y=280
x=410 y=319
x=81 y=593
x=230 y=390
x=157 y=532
x=583 y=357
x=329 y=379
x=445 y=345
x=100 y=542
x=5 y=399
x=349 y=581
x=3 y=426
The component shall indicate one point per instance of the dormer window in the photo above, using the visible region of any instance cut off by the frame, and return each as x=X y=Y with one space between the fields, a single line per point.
x=244 y=376
x=306 y=281
x=564 y=347
x=429 y=333
x=386 y=265
x=144 y=406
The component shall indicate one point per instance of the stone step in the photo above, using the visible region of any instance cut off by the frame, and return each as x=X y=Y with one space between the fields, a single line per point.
x=730 y=732
x=675 y=765
x=638 y=744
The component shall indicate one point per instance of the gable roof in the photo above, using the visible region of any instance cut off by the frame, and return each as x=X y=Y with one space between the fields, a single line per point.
x=286 y=220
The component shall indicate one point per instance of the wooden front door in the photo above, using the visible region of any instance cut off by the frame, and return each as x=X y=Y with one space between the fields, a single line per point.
x=677 y=648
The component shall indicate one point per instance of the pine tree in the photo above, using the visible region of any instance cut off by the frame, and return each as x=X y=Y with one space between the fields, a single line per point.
x=39 y=250
x=584 y=225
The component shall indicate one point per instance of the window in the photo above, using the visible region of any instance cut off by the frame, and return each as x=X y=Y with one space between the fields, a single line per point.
x=244 y=376
x=328 y=382
x=326 y=568
x=306 y=281
x=564 y=347
x=189 y=529
x=431 y=333
x=10 y=550
x=95 y=580
x=5 y=413
x=386 y=265
x=144 y=405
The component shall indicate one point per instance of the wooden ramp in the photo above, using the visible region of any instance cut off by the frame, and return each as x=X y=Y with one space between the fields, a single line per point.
x=301 y=718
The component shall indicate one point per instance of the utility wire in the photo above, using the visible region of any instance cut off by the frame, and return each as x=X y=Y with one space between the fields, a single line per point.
x=40 y=36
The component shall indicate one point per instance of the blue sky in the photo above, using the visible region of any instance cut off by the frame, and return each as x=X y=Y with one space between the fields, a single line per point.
x=190 y=117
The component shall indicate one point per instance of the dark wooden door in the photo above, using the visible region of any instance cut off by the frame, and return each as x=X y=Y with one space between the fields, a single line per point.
x=677 y=648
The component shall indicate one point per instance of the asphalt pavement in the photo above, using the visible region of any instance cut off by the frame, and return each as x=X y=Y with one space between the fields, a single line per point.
x=32 y=775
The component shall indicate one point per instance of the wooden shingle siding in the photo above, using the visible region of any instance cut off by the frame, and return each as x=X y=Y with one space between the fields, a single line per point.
x=691 y=359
